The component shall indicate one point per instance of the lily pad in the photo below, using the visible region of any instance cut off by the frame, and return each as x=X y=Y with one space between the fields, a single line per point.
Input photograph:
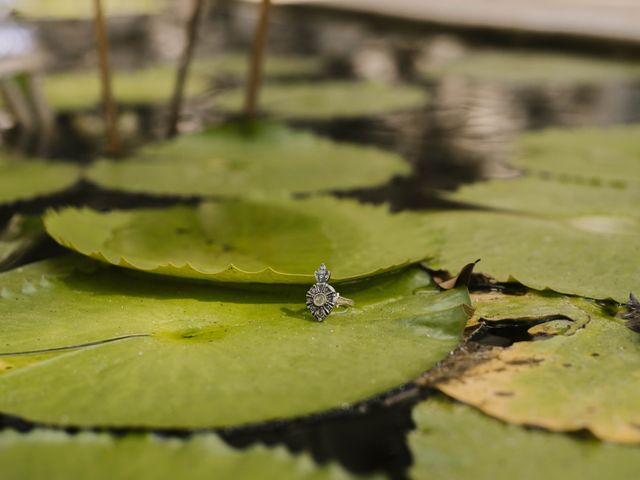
x=455 y=441
x=81 y=90
x=241 y=241
x=587 y=256
x=215 y=356
x=26 y=179
x=554 y=198
x=60 y=456
x=595 y=156
x=528 y=68
x=236 y=65
x=238 y=160
x=70 y=9
x=326 y=100
x=574 y=381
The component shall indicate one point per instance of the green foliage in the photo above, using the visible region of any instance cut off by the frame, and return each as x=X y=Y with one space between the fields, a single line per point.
x=453 y=441
x=528 y=68
x=152 y=85
x=239 y=160
x=127 y=351
x=593 y=156
x=586 y=256
x=236 y=65
x=238 y=241
x=327 y=100
x=27 y=179
x=59 y=456
x=72 y=9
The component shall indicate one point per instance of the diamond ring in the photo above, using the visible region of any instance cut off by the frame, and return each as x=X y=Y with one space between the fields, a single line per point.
x=322 y=297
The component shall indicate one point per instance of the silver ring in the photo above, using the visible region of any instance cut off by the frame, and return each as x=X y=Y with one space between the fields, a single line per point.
x=322 y=298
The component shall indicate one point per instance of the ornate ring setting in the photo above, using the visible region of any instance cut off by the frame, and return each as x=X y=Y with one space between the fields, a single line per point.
x=322 y=298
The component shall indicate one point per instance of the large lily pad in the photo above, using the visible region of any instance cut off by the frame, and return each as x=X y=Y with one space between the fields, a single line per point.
x=580 y=379
x=26 y=179
x=238 y=241
x=533 y=69
x=326 y=100
x=454 y=441
x=592 y=155
x=213 y=356
x=237 y=160
x=152 y=85
x=589 y=256
x=59 y=456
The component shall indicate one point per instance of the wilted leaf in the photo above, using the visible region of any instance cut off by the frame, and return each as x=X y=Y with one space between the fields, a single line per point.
x=583 y=379
x=326 y=100
x=453 y=441
x=21 y=234
x=237 y=160
x=130 y=351
x=529 y=68
x=59 y=456
x=26 y=179
x=282 y=241
x=632 y=314
x=587 y=256
x=81 y=90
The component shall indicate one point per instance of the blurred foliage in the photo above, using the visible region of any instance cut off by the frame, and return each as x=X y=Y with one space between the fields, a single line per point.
x=62 y=456
x=528 y=68
x=240 y=160
x=73 y=9
x=80 y=90
x=24 y=179
x=329 y=100
x=454 y=441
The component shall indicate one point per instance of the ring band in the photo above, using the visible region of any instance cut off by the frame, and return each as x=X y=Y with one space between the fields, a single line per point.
x=322 y=298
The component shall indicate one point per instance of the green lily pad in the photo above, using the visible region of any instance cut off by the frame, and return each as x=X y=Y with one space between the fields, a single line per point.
x=70 y=9
x=239 y=241
x=591 y=256
x=236 y=65
x=26 y=179
x=81 y=90
x=171 y=354
x=452 y=441
x=595 y=156
x=578 y=380
x=553 y=198
x=326 y=100
x=236 y=160
x=527 y=68
x=60 y=456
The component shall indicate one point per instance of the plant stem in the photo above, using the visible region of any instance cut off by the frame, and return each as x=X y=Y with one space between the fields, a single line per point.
x=110 y=112
x=255 y=67
x=183 y=68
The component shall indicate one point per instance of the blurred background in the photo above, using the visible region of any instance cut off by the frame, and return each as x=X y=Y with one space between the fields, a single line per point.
x=492 y=69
